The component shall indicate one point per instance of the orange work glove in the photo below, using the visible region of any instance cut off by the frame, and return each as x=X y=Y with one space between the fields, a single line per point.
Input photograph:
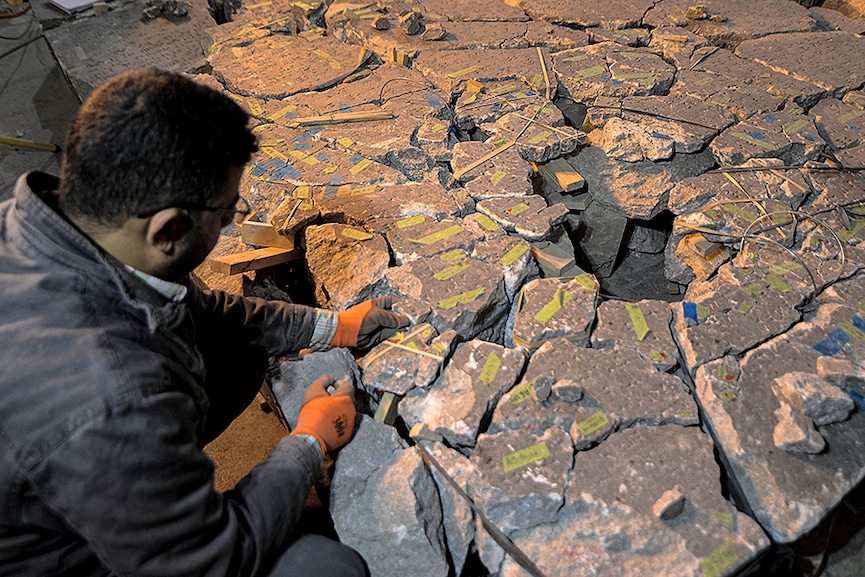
x=367 y=324
x=329 y=417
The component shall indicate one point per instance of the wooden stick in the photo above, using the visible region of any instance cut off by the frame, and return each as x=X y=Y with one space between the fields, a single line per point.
x=342 y=118
x=29 y=144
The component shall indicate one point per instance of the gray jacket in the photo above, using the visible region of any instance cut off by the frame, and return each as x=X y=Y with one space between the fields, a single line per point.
x=103 y=412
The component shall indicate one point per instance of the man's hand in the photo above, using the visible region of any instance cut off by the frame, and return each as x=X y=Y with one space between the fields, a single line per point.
x=367 y=324
x=329 y=417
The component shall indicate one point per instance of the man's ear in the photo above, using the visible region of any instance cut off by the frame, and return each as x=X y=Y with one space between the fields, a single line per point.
x=166 y=228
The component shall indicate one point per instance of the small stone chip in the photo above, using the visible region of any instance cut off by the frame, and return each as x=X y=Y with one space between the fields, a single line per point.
x=669 y=505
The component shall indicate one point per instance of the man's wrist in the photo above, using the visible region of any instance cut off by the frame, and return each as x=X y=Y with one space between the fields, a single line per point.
x=311 y=440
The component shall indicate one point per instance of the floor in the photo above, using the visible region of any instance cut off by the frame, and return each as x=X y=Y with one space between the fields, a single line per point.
x=37 y=103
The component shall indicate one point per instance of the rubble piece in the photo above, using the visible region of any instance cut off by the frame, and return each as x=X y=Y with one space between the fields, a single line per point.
x=385 y=504
x=554 y=37
x=295 y=212
x=832 y=19
x=587 y=14
x=841 y=373
x=451 y=69
x=554 y=260
x=278 y=66
x=637 y=190
x=679 y=46
x=253 y=260
x=669 y=505
x=672 y=123
x=523 y=476
x=609 y=69
x=485 y=103
x=505 y=174
x=434 y=32
x=410 y=358
x=795 y=432
x=840 y=124
x=822 y=402
x=600 y=237
x=410 y=23
x=551 y=308
x=855 y=98
x=416 y=238
x=790 y=136
x=333 y=249
x=730 y=22
x=692 y=257
x=528 y=217
x=631 y=142
x=607 y=528
x=289 y=379
x=836 y=70
x=789 y=493
x=434 y=138
x=647 y=239
x=626 y=36
x=643 y=326
x=264 y=234
x=514 y=256
x=734 y=96
x=538 y=132
x=460 y=403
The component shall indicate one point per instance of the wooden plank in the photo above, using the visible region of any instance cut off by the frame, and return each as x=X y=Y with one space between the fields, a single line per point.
x=559 y=175
x=253 y=260
x=263 y=234
x=387 y=408
x=343 y=117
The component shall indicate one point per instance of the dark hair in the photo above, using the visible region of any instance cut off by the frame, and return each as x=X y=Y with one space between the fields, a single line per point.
x=147 y=139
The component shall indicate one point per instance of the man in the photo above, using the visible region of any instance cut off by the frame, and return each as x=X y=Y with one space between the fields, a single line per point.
x=115 y=370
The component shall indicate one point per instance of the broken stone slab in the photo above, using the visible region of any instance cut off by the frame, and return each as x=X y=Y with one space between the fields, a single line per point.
x=794 y=431
x=417 y=238
x=728 y=23
x=289 y=379
x=625 y=36
x=583 y=14
x=514 y=256
x=523 y=476
x=852 y=157
x=529 y=217
x=480 y=11
x=434 y=137
x=451 y=69
x=735 y=96
x=460 y=403
x=679 y=46
x=536 y=138
x=386 y=506
x=836 y=70
x=643 y=326
x=841 y=373
x=487 y=102
x=609 y=69
x=631 y=141
x=554 y=37
x=690 y=257
x=788 y=493
x=788 y=135
x=637 y=190
x=608 y=528
x=552 y=308
x=646 y=239
x=840 y=124
x=600 y=236
x=411 y=358
x=817 y=399
x=556 y=259
x=504 y=174
x=333 y=249
x=277 y=66
x=855 y=98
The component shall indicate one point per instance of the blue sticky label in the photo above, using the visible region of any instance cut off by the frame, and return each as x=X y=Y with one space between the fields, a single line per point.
x=329 y=192
x=689 y=310
x=258 y=170
x=858 y=399
x=756 y=134
x=288 y=171
x=859 y=323
x=303 y=136
x=832 y=343
x=291 y=114
x=770 y=118
x=315 y=129
x=656 y=134
x=810 y=137
x=345 y=106
x=355 y=158
x=496 y=106
x=322 y=157
x=433 y=100
x=302 y=146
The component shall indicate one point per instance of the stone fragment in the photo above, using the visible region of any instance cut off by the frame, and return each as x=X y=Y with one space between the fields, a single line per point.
x=795 y=432
x=289 y=379
x=829 y=19
x=554 y=37
x=855 y=98
x=477 y=11
x=647 y=239
x=630 y=142
x=841 y=373
x=295 y=212
x=485 y=103
x=409 y=359
x=538 y=135
x=790 y=136
x=385 y=505
x=822 y=402
x=333 y=249
x=679 y=46
x=460 y=403
x=587 y=14
x=523 y=476
x=514 y=256
x=599 y=238
x=643 y=326
x=529 y=217
x=669 y=505
x=551 y=308
x=451 y=69
x=840 y=124
x=734 y=96
x=504 y=174
x=410 y=23
x=433 y=32
x=626 y=36
x=418 y=238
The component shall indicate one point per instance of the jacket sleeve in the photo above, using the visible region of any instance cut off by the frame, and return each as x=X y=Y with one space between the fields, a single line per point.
x=146 y=504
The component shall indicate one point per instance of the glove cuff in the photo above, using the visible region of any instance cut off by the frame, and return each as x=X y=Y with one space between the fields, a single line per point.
x=348 y=327
x=308 y=433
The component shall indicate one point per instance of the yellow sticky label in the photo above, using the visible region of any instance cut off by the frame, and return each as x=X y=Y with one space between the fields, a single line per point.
x=356 y=234
x=491 y=368
x=437 y=236
x=504 y=88
x=330 y=168
x=786 y=267
x=559 y=300
x=360 y=166
x=498 y=176
x=453 y=255
x=236 y=51
x=522 y=393
x=487 y=223
x=437 y=128
x=369 y=188
x=518 y=209
x=853 y=331
x=702 y=311
x=426 y=333
x=587 y=282
x=656 y=356
x=589 y=72
x=255 y=107
x=345 y=141
x=686 y=414
x=451 y=271
x=439 y=347
x=796 y=126
x=411 y=221
x=515 y=253
x=740 y=212
x=776 y=282
x=593 y=423
x=720 y=560
x=525 y=457
x=851 y=116
x=302 y=191
x=461 y=299
x=298 y=154
x=725 y=518
x=638 y=320
x=727 y=396
x=463 y=72
x=540 y=137
x=281 y=112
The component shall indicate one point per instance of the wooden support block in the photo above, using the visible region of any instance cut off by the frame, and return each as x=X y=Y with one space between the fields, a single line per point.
x=387 y=412
x=264 y=234
x=422 y=431
x=559 y=175
x=553 y=260
x=474 y=86
x=253 y=260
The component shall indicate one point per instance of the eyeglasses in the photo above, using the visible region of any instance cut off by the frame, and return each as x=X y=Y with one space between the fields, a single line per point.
x=239 y=209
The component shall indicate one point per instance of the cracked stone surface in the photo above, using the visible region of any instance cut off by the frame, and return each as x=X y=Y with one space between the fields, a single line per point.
x=505 y=174
x=649 y=334
x=552 y=308
x=586 y=14
x=840 y=124
x=423 y=238
x=539 y=137
x=735 y=96
x=529 y=218
x=450 y=69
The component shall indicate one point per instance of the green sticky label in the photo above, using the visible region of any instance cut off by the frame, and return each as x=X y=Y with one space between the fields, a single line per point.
x=725 y=518
x=589 y=72
x=523 y=393
x=638 y=321
x=515 y=253
x=525 y=457
x=487 y=223
x=656 y=356
x=593 y=423
x=587 y=282
x=853 y=331
x=498 y=176
x=752 y=289
x=847 y=235
x=740 y=212
x=437 y=127
x=702 y=311
x=796 y=126
x=720 y=560
x=411 y=221
x=727 y=396
x=360 y=166
x=751 y=140
x=518 y=209
x=776 y=282
x=745 y=271
x=722 y=371
x=504 y=88
x=491 y=368
x=461 y=299
x=355 y=234
x=439 y=347
x=452 y=256
x=851 y=116
x=745 y=307
x=463 y=72
x=559 y=300
x=861 y=305
x=437 y=236
x=346 y=142
x=686 y=414
x=540 y=137
x=451 y=271
x=786 y=267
